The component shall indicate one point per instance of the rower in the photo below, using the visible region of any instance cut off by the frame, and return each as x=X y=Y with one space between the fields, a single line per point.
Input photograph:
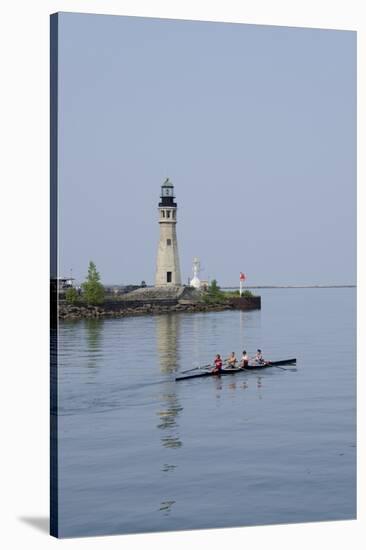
x=231 y=360
x=218 y=365
x=258 y=358
x=244 y=362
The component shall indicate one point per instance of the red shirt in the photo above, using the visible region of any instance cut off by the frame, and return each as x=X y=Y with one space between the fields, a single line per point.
x=218 y=364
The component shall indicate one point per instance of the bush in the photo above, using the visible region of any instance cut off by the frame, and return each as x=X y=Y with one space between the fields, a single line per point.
x=232 y=293
x=236 y=294
x=214 y=294
x=247 y=294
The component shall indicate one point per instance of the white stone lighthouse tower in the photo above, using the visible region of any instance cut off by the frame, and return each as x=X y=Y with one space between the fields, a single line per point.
x=167 y=263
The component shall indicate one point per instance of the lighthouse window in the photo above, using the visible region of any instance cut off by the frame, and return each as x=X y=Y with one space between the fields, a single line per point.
x=169 y=242
x=163 y=214
x=168 y=213
x=169 y=277
x=173 y=214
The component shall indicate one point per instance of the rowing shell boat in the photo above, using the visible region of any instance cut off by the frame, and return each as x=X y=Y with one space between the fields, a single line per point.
x=234 y=370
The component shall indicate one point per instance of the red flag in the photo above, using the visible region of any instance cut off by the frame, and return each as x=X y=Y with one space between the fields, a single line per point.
x=242 y=276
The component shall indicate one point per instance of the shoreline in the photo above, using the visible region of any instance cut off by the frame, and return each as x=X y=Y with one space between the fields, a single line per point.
x=119 y=308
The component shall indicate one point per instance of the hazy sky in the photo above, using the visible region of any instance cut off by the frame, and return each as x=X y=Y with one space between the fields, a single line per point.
x=254 y=125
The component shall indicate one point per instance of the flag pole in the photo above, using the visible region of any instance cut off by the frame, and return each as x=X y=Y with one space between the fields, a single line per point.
x=241 y=279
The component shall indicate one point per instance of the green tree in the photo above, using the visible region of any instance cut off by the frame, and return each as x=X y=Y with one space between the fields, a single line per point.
x=93 y=290
x=71 y=295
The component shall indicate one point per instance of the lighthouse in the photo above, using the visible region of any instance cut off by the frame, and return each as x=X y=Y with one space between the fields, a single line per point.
x=167 y=263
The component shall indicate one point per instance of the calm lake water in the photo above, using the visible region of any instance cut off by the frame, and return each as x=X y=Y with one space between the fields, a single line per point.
x=139 y=452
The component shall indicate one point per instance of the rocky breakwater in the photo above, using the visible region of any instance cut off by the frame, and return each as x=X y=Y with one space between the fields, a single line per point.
x=153 y=301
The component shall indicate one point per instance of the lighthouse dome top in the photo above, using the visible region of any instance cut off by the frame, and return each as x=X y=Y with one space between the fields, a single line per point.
x=167 y=183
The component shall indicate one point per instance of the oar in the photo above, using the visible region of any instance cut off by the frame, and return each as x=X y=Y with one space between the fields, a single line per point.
x=266 y=363
x=202 y=367
x=275 y=366
x=196 y=368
